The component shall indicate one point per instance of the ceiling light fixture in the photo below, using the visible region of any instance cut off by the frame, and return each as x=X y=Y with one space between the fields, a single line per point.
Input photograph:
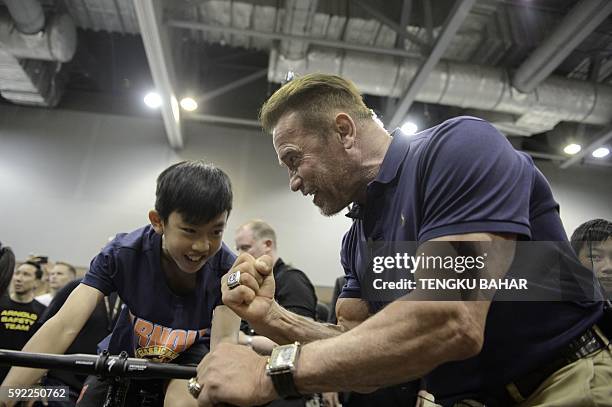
x=409 y=128
x=572 y=149
x=601 y=152
x=153 y=100
x=189 y=104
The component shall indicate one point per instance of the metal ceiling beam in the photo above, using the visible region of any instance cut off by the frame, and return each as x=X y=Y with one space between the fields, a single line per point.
x=156 y=41
x=582 y=19
x=457 y=15
x=391 y=23
x=601 y=139
x=223 y=119
x=428 y=17
x=404 y=19
x=232 y=85
x=557 y=157
x=191 y=25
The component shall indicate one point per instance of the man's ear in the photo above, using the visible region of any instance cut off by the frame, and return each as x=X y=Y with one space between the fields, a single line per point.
x=156 y=222
x=346 y=129
x=269 y=245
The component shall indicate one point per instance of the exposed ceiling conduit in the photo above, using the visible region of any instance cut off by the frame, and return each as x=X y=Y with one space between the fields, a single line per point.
x=463 y=85
x=58 y=43
x=297 y=21
x=30 y=62
x=582 y=20
x=28 y=15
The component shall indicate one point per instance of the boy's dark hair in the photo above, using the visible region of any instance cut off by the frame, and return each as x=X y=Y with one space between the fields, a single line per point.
x=39 y=272
x=7 y=265
x=595 y=230
x=195 y=189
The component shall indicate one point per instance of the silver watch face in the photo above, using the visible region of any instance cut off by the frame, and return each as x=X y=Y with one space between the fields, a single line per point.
x=283 y=358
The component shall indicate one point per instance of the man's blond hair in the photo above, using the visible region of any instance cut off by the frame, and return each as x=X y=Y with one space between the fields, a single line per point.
x=314 y=97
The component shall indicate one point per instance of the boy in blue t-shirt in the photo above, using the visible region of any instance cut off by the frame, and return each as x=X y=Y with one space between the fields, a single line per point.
x=167 y=274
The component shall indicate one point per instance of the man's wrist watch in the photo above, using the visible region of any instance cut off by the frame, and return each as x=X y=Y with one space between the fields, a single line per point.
x=280 y=368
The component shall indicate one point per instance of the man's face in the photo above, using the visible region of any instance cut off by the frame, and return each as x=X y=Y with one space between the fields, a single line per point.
x=599 y=258
x=190 y=246
x=318 y=164
x=24 y=279
x=59 y=276
x=246 y=243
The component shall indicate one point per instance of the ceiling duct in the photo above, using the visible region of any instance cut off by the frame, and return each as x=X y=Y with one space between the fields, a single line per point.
x=582 y=20
x=297 y=20
x=28 y=15
x=30 y=63
x=58 y=43
x=463 y=85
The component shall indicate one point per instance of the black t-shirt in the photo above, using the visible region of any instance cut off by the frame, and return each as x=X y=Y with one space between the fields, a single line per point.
x=97 y=327
x=294 y=291
x=17 y=325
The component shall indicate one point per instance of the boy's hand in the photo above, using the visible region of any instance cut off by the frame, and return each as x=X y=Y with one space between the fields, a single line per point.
x=254 y=296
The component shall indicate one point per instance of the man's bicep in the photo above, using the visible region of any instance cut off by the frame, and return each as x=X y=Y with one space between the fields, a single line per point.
x=351 y=312
x=495 y=251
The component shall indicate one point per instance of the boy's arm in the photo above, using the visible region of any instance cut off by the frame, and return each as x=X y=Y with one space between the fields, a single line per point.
x=58 y=333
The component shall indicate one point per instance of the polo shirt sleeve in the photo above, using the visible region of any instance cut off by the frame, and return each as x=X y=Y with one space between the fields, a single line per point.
x=352 y=288
x=473 y=181
x=101 y=272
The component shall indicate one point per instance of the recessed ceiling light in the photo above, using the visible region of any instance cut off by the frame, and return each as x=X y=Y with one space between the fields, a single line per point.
x=153 y=100
x=601 y=152
x=409 y=128
x=189 y=104
x=572 y=149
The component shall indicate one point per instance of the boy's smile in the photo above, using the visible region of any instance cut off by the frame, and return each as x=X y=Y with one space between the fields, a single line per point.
x=189 y=246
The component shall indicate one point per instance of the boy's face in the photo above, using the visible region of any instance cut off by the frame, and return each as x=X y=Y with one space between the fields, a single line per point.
x=599 y=258
x=189 y=246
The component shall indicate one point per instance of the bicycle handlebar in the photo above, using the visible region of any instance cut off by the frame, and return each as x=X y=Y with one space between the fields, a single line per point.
x=103 y=365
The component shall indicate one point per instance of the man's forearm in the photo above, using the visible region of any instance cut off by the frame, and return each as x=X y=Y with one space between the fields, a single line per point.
x=52 y=337
x=401 y=343
x=283 y=326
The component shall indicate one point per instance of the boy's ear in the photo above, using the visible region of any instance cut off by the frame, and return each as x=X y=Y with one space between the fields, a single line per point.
x=156 y=222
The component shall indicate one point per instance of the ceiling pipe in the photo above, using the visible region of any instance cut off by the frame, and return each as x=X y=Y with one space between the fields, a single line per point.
x=57 y=43
x=28 y=15
x=582 y=20
x=463 y=85
x=297 y=21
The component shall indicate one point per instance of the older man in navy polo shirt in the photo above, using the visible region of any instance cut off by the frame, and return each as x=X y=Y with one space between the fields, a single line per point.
x=458 y=182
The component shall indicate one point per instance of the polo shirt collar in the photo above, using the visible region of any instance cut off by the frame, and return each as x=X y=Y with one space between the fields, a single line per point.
x=394 y=157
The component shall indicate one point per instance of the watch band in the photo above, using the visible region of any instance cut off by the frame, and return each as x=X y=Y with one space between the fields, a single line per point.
x=284 y=385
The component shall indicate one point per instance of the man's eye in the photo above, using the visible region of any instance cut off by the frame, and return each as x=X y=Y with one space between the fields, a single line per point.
x=218 y=232
x=188 y=230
